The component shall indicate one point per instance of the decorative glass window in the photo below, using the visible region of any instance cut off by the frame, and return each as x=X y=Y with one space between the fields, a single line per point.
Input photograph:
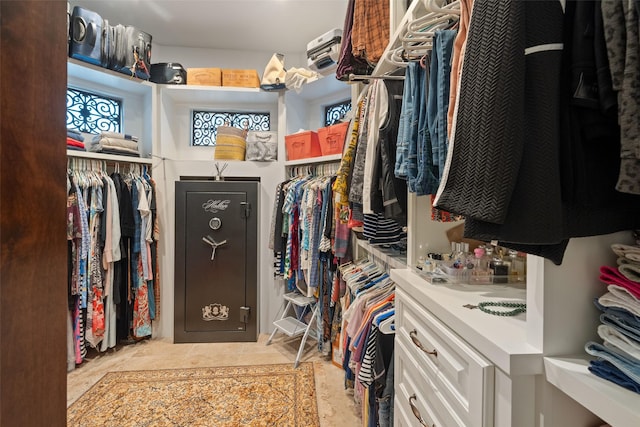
x=335 y=112
x=93 y=113
x=204 y=124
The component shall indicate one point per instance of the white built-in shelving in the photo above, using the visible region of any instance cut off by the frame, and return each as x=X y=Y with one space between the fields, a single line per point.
x=107 y=157
x=198 y=95
x=138 y=104
x=83 y=72
x=314 y=160
x=304 y=109
x=389 y=258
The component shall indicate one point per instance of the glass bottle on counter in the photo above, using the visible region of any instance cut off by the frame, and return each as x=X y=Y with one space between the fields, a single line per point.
x=499 y=268
x=518 y=270
x=480 y=273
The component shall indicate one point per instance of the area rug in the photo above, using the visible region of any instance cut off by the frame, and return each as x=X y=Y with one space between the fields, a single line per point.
x=264 y=395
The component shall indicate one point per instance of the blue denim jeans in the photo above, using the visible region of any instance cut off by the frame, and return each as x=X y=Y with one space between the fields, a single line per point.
x=412 y=130
x=438 y=100
x=427 y=180
x=629 y=367
x=609 y=372
x=402 y=145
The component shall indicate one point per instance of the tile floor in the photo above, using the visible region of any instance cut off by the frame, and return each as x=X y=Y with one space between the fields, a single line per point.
x=335 y=405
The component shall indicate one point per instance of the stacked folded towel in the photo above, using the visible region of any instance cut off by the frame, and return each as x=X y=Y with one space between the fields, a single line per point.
x=75 y=140
x=115 y=143
x=618 y=357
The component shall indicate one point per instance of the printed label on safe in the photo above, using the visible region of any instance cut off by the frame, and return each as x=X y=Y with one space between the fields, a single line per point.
x=215 y=312
x=214 y=206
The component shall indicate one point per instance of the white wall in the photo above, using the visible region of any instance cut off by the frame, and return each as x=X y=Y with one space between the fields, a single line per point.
x=191 y=57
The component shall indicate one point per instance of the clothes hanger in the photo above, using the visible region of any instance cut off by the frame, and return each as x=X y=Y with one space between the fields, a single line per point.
x=418 y=35
x=388 y=325
x=424 y=29
x=451 y=8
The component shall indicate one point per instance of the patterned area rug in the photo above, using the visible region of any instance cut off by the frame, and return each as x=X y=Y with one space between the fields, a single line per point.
x=265 y=395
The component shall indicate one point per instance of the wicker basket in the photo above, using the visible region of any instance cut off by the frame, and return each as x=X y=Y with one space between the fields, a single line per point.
x=231 y=143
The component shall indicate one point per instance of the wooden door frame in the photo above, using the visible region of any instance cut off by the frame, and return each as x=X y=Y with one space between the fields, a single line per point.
x=33 y=251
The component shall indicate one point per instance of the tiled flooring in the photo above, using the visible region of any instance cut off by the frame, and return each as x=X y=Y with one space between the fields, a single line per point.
x=335 y=405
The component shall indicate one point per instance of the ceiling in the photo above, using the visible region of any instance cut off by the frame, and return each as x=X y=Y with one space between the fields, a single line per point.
x=256 y=25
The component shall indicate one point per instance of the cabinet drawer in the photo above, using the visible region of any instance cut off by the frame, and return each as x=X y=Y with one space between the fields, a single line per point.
x=417 y=396
x=461 y=374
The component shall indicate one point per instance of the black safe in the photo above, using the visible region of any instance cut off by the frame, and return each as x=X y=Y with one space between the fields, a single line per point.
x=216 y=261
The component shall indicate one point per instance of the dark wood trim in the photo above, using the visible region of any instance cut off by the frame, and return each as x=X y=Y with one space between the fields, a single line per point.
x=33 y=254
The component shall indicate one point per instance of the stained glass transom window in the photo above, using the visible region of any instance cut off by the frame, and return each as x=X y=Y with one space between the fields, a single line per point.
x=335 y=112
x=93 y=113
x=204 y=124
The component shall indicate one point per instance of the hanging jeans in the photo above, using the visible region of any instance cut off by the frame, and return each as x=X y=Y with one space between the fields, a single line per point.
x=413 y=152
x=438 y=100
x=404 y=125
x=426 y=181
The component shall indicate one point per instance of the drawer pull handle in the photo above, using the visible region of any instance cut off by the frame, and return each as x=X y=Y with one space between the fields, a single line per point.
x=416 y=412
x=414 y=337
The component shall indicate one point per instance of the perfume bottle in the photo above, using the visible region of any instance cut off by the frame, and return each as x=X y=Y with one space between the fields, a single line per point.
x=468 y=257
x=457 y=256
x=518 y=266
x=488 y=257
x=480 y=272
x=499 y=269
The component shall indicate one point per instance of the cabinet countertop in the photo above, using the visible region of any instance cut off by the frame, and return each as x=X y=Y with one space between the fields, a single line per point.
x=503 y=340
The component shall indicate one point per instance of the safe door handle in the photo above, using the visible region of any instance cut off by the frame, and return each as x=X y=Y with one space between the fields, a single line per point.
x=414 y=337
x=209 y=240
x=416 y=411
x=214 y=245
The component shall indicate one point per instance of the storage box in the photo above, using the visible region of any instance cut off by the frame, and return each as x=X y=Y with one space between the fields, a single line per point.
x=332 y=138
x=302 y=145
x=240 y=78
x=204 y=76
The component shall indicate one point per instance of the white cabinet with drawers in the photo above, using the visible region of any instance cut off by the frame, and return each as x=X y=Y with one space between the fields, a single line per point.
x=506 y=371
x=460 y=367
x=445 y=375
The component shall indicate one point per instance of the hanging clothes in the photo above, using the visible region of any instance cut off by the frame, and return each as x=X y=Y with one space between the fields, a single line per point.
x=367 y=354
x=101 y=228
x=347 y=62
x=393 y=191
x=306 y=208
x=342 y=184
x=519 y=138
x=622 y=42
x=370 y=30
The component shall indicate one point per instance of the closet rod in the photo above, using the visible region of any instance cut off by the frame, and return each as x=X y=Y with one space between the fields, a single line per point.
x=353 y=77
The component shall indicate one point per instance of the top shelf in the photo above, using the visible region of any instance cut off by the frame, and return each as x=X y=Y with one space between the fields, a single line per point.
x=85 y=71
x=206 y=94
